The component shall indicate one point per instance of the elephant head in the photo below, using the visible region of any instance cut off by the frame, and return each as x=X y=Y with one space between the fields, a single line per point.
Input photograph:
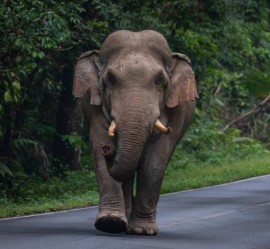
x=135 y=79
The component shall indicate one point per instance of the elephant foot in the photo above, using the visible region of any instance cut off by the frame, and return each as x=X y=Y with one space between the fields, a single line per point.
x=142 y=228
x=111 y=222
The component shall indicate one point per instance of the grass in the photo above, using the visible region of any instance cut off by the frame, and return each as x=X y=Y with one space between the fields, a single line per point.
x=10 y=209
x=76 y=189
x=207 y=175
x=177 y=178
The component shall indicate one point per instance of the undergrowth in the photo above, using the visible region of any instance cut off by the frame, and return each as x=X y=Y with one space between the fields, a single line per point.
x=206 y=156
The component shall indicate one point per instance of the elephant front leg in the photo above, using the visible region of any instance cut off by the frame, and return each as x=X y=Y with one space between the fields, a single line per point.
x=149 y=180
x=143 y=216
x=111 y=217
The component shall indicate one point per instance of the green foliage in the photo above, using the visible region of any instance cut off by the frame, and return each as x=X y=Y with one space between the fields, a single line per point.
x=5 y=170
x=75 y=141
x=258 y=82
x=206 y=144
x=38 y=40
x=29 y=189
x=35 y=195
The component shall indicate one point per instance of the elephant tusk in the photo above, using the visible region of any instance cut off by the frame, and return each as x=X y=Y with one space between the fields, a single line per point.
x=112 y=129
x=162 y=128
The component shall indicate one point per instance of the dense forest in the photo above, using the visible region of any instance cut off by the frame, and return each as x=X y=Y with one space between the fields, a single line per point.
x=228 y=42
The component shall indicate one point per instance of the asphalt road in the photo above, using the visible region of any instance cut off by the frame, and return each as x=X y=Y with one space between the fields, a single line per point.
x=231 y=216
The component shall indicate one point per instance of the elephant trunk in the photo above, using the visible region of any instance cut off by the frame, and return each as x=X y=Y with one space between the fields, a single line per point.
x=132 y=133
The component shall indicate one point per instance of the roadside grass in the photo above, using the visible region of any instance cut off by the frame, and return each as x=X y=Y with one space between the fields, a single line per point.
x=206 y=175
x=41 y=205
x=75 y=189
x=48 y=197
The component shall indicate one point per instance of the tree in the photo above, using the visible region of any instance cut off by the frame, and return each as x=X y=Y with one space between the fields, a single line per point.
x=39 y=45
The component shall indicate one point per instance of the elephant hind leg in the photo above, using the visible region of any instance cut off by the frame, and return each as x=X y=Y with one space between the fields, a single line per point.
x=111 y=222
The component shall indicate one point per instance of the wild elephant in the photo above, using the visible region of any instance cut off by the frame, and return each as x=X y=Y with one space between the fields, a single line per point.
x=138 y=98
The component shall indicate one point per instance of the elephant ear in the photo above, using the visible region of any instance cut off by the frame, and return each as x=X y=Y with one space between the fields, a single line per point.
x=86 y=77
x=182 y=86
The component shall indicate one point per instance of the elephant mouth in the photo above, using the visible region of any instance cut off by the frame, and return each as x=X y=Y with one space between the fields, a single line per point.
x=158 y=125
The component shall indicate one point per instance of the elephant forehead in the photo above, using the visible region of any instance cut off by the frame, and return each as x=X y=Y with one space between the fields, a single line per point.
x=145 y=42
x=136 y=62
x=124 y=38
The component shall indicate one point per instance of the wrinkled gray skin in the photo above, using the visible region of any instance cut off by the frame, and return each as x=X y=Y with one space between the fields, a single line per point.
x=134 y=79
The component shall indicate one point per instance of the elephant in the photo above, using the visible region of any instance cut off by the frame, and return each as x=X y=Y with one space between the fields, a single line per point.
x=138 y=98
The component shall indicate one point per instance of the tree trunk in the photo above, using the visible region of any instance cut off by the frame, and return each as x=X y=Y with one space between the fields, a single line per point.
x=63 y=152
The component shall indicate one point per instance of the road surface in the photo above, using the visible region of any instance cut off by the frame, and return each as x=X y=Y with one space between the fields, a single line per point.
x=230 y=216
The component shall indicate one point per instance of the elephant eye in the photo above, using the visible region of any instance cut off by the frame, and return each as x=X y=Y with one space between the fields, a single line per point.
x=111 y=79
x=159 y=80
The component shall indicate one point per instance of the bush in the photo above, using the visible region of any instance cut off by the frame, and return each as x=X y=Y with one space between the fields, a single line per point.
x=205 y=143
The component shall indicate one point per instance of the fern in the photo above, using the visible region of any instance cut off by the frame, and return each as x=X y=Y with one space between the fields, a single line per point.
x=21 y=143
x=5 y=170
x=27 y=149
